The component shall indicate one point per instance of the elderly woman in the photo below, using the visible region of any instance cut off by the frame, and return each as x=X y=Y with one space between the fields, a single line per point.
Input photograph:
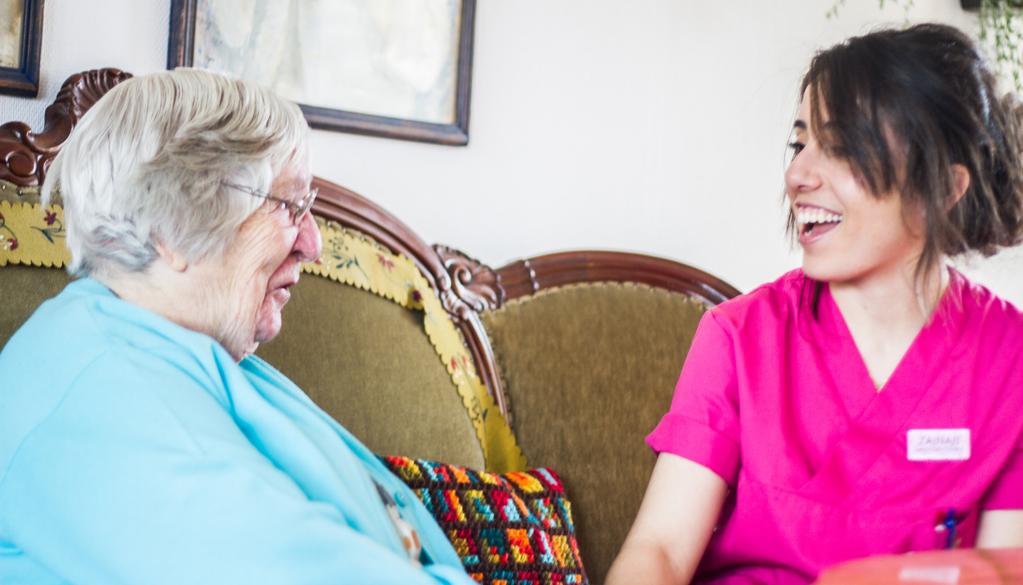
x=153 y=447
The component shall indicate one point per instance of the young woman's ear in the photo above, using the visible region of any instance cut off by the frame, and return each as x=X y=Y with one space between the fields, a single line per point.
x=960 y=183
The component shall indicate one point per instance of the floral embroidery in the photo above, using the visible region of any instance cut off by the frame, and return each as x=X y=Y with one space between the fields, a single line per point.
x=346 y=262
x=461 y=369
x=52 y=231
x=18 y=245
x=7 y=242
x=415 y=298
x=385 y=262
x=343 y=258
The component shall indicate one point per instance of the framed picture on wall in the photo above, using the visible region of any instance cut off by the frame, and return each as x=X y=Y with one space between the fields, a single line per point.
x=393 y=68
x=21 y=26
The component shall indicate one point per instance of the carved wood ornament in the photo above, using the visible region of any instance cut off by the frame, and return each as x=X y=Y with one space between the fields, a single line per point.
x=27 y=155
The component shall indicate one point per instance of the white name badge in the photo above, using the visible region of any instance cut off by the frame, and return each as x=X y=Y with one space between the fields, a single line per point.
x=938 y=444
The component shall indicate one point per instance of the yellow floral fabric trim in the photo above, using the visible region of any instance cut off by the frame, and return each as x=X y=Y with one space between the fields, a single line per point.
x=32 y=235
x=353 y=259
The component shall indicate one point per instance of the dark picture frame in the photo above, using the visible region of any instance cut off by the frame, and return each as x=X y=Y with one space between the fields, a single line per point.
x=181 y=51
x=975 y=4
x=23 y=79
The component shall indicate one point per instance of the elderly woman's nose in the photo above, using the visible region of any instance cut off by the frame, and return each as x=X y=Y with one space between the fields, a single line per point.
x=308 y=244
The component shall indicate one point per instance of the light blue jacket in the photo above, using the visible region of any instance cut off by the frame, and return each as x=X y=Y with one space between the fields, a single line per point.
x=135 y=451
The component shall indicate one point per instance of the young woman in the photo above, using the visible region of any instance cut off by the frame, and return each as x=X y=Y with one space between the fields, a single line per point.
x=872 y=401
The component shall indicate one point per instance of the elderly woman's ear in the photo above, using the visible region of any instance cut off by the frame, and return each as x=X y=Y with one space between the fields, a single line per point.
x=176 y=261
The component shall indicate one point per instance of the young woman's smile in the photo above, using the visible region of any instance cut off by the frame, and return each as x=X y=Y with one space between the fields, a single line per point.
x=813 y=222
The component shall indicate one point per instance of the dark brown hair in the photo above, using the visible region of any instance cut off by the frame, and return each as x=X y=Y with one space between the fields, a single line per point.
x=904 y=106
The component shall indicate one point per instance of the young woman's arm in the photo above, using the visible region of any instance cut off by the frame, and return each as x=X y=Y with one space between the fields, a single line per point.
x=674 y=523
x=1000 y=529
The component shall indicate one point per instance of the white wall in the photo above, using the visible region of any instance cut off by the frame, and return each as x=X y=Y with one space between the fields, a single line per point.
x=655 y=125
x=89 y=34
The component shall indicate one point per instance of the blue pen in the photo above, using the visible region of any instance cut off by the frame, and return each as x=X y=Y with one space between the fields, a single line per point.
x=950 y=524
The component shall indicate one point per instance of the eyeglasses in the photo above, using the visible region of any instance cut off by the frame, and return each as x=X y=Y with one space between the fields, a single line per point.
x=296 y=209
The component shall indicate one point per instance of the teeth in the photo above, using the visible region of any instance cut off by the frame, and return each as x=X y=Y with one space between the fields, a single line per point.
x=817 y=216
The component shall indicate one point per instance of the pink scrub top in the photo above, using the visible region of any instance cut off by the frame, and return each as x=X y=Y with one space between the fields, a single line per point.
x=822 y=466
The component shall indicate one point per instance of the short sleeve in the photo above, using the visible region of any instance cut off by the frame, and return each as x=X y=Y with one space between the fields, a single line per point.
x=1007 y=491
x=702 y=424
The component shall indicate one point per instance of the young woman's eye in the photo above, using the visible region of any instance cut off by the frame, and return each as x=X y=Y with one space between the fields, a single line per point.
x=797 y=147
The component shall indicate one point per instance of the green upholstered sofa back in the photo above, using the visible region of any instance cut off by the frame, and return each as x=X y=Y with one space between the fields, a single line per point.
x=22 y=289
x=589 y=369
x=367 y=361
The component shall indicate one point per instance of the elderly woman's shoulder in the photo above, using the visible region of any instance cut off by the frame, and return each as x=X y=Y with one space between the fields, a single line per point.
x=85 y=345
x=95 y=384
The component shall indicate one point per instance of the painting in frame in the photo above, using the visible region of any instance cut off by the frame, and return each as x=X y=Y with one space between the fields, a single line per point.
x=393 y=68
x=21 y=24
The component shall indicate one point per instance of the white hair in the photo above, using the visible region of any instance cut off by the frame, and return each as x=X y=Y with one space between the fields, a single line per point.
x=147 y=165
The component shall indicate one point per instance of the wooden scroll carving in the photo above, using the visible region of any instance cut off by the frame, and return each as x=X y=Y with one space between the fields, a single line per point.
x=473 y=285
x=525 y=277
x=25 y=156
x=468 y=288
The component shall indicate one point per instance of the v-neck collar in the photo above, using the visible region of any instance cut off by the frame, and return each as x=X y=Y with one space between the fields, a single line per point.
x=941 y=328
x=876 y=417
